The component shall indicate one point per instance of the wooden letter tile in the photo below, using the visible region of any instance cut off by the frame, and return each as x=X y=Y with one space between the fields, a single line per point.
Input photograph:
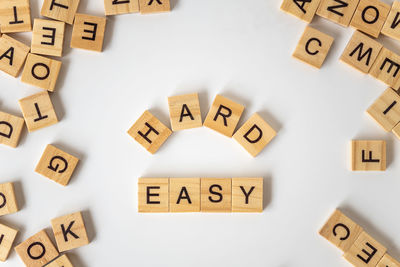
x=338 y=11
x=38 y=111
x=12 y=55
x=370 y=16
x=388 y=261
x=36 y=251
x=184 y=112
x=391 y=27
x=15 y=16
x=368 y=155
x=63 y=10
x=69 y=231
x=116 y=7
x=153 y=195
x=224 y=115
x=396 y=130
x=247 y=194
x=313 y=47
x=184 y=194
x=254 y=135
x=361 y=52
x=154 y=6
x=41 y=72
x=149 y=132
x=386 y=68
x=8 y=202
x=61 y=261
x=386 y=110
x=56 y=165
x=216 y=194
x=48 y=37
x=365 y=251
x=10 y=129
x=7 y=237
x=88 y=32
x=303 y=9
x=341 y=231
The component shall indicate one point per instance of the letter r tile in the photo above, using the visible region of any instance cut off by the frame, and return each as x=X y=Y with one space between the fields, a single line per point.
x=254 y=135
x=57 y=165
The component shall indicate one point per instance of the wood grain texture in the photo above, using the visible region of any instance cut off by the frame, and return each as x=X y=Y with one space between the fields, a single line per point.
x=224 y=115
x=13 y=54
x=56 y=165
x=63 y=10
x=184 y=194
x=118 y=7
x=10 y=129
x=184 y=112
x=391 y=27
x=313 y=47
x=7 y=237
x=41 y=72
x=365 y=251
x=61 y=261
x=370 y=16
x=70 y=231
x=15 y=16
x=388 y=261
x=154 y=6
x=8 y=201
x=216 y=194
x=386 y=68
x=254 y=135
x=38 y=111
x=153 y=195
x=247 y=194
x=304 y=11
x=88 y=32
x=38 y=250
x=48 y=37
x=361 y=52
x=338 y=11
x=386 y=110
x=368 y=155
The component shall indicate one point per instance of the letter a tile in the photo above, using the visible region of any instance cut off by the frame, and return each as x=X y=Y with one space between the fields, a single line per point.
x=69 y=231
x=149 y=132
x=303 y=9
x=37 y=251
x=184 y=111
x=12 y=55
x=56 y=165
x=254 y=135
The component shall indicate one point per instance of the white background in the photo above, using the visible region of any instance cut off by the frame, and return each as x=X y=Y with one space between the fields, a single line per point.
x=242 y=50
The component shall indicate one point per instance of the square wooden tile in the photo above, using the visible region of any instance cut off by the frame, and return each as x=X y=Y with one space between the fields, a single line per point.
x=386 y=110
x=388 y=261
x=365 y=251
x=61 y=261
x=184 y=194
x=184 y=112
x=254 y=135
x=247 y=194
x=153 y=195
x=391 y=27
x=368 y=155
x=341 y=231
x=88 y=32
x=149 y=132
x=38 y=111
x=48 y=37
x=302 y=9
x=8 y=202
x=361 y=52
x=15 y=16
x=69 y=231
x=57 y=165
x=224 y=115
x=7 y=237
x=396 y=130
x=36 y=251
x=338 y=11
x=12 y=55
x=386 y=68
x=216 y=194
x=10 y=129
x=117 y=7
x=370 y=16
x=63 y=10
x=313 y=47
x=41 y=72
x=154 y=6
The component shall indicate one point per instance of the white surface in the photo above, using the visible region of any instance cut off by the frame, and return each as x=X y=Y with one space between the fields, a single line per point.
x=241 y=49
